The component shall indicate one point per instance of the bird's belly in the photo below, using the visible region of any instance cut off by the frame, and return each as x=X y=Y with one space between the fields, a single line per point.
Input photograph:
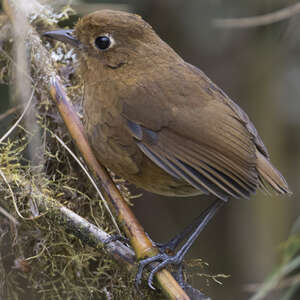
x=119 y=153
x=117 y=150
x=155 y=180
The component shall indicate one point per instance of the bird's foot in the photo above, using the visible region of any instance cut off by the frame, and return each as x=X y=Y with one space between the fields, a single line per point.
x=163 y=260
x=168 y=247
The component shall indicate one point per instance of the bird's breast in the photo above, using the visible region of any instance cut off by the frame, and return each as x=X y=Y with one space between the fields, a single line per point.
x=108 y=136
x=117 y=150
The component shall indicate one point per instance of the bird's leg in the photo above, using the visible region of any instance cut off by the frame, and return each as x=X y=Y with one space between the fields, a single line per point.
x=178 y=238
x=177 y=259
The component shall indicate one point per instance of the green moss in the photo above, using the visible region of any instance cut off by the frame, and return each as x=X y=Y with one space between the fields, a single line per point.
x=39 y=257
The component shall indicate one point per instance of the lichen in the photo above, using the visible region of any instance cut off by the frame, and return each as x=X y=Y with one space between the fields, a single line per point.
x=39 y=258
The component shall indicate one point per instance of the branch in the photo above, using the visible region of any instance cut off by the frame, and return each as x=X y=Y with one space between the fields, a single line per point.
x=72 y=222
x=266 y=19
x=17 y=9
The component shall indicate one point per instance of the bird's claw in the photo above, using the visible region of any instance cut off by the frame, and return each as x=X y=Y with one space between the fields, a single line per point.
x=166 y=247
x=164 y=260
x=169 y=246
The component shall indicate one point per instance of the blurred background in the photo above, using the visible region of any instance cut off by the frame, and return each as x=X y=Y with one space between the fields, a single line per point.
x=259 y=68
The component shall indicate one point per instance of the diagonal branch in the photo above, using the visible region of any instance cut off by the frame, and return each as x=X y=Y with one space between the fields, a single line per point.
x=43 y=63
x=266 y=19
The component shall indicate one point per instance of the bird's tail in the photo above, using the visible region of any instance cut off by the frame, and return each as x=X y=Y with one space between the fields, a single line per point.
x=269 y=177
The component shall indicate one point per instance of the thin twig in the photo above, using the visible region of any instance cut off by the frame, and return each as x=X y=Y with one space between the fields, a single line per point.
x=90 y=179
x=141 y=243
x=73 y=223
x=13 y=127
x=13 y=196
x=8 y=215
x=45 y=65
x=18 y=68
x=266 y=19
x=9 y=112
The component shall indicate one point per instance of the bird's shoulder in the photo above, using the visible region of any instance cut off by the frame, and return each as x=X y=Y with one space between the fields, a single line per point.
x=182 y=98
x=221 y=97
x=191 y=129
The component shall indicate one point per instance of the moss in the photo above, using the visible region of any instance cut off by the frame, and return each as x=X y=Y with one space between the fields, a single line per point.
x=39 y=257
x=61 y=265
x=43 y=257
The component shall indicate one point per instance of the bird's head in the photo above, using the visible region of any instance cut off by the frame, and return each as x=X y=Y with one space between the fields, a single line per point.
x=113 y=38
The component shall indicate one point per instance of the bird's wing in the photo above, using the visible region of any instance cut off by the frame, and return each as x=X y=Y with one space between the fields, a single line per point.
x=240 y=114
x=193 y=131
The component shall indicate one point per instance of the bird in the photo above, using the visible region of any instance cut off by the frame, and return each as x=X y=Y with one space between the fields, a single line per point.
x=162 y=124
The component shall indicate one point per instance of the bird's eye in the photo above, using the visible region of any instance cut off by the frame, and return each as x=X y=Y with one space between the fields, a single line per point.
x=102 y=42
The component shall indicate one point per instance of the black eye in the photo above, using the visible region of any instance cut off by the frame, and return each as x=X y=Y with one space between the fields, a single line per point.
x=102 y=42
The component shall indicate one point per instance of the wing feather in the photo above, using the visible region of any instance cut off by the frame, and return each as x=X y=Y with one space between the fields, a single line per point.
x=193 y=131
x=204 y=171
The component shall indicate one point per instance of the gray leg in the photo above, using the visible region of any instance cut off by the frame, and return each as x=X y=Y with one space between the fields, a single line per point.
x=177 y=259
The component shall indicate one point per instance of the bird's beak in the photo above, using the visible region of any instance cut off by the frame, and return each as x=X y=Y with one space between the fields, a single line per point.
x=65 y=36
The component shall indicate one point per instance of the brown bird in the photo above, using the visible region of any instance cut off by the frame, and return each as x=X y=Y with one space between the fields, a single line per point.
x=161 y=123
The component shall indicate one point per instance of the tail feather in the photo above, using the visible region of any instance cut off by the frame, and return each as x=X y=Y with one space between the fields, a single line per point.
x=270 y=177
